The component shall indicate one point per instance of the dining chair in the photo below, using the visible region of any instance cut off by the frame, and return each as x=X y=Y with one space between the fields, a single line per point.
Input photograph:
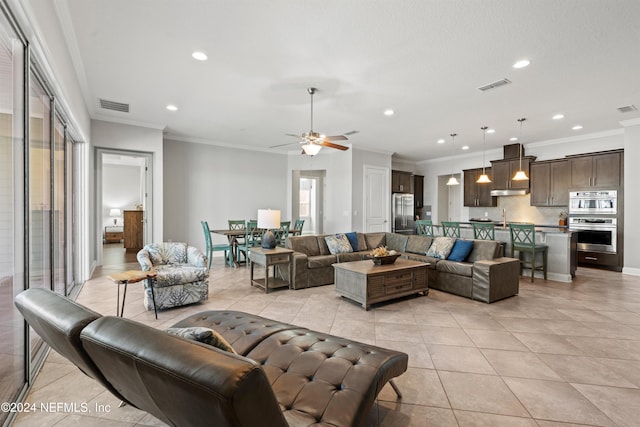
x=297 y=226
x=523 y=240
x=212 y=248
x=253 y=238
x=282 y=233
x=450 y=229
x=484 y=231
x=424 y=227
x=238 y=224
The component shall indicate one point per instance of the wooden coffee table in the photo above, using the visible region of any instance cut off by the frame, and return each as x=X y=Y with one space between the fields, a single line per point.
x=366 y=283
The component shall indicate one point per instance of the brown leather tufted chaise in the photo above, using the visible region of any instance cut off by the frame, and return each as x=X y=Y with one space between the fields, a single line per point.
x=283 y=375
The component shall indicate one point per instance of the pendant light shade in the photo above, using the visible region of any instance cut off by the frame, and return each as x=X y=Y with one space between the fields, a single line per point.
x=520 y=174
x=452 y=179
x=484 y=178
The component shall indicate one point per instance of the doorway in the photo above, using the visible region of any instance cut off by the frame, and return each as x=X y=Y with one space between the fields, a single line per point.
x=377 y=199
x=449 y=199
x=308 y=200
x=123 y=182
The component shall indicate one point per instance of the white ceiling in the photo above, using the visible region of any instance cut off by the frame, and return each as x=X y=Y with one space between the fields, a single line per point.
x=424 y=59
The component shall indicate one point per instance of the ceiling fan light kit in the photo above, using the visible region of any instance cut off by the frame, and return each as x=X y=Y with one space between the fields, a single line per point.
x=312 y=142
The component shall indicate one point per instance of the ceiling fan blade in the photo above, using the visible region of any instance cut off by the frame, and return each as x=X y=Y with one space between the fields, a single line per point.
x=351 y=132
x=295 y=136
x=282 y=145
x=332 y=145
x=335 y=138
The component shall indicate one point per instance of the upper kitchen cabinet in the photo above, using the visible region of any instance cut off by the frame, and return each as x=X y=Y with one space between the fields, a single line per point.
x=596 y=170
x=401 y=182
x=476 y=195
x=550 y=183
x=418 y=191
x=504 y=170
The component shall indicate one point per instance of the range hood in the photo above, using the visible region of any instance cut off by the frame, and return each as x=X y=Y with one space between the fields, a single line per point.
x=510 y=192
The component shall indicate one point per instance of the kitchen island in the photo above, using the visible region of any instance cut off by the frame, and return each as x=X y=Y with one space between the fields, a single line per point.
x=561 y=261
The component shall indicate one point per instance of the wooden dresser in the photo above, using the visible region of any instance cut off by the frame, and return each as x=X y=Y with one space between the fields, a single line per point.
x=113 y=234
x=133 y=230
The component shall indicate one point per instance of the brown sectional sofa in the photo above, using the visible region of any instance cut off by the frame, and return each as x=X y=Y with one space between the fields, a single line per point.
x=283 y=375
x=484 y=276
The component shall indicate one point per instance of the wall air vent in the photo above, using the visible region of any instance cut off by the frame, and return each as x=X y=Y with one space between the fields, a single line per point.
x=628 y=108
x=494 y=85
x=115 y=106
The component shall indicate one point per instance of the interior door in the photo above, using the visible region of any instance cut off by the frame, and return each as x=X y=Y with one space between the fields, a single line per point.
x=377 y=199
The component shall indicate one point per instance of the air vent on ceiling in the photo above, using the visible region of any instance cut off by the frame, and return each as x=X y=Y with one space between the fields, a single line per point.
x=628 y=108
x=115 y=106
x=494 y=85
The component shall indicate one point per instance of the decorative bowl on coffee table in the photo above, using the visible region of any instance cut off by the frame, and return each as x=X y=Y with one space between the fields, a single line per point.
x=384 y=260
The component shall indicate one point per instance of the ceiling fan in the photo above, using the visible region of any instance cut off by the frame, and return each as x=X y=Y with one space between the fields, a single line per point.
x=312 y=142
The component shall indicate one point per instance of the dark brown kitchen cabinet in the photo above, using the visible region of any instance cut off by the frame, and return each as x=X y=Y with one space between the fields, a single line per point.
x=418 y=191
x=504 y=170
x=596 y=170
x=550 y=183
x=476 y=195
x=401 y=182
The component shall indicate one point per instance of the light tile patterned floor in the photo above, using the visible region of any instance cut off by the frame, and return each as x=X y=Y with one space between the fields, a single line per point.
x=556 y=355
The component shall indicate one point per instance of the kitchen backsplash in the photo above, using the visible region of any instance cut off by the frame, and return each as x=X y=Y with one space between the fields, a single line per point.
x=518 y=209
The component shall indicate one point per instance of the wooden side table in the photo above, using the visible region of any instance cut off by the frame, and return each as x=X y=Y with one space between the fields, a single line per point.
x=133 y=276
x=267 y=258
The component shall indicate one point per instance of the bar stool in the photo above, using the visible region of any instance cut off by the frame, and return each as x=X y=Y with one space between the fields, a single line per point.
x=450 y=229
x=484 y=231
x=424 y=227
x=523 y=240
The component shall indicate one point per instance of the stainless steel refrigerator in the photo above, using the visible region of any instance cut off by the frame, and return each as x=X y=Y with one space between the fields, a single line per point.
x=402 y=212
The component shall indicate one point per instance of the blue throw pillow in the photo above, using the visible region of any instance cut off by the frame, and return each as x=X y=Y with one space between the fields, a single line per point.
x=461 y=250
x=353 y=239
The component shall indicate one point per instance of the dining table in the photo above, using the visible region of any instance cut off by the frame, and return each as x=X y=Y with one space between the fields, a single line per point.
x=232 y=236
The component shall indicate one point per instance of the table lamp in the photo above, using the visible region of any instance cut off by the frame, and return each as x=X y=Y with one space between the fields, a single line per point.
x=115 y=214
x=268 y=220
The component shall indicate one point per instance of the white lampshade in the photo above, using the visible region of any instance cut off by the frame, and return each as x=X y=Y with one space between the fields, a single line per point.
x=453 y=181
x=483 y=179
x=115 y=212
x=520 y=176
x=311 y=149
x=268 y=219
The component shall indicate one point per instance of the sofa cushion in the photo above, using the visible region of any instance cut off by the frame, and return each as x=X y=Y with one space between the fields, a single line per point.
x=353 y=240
x=305 y=244
x=338 y=244
x=362 y=242
x=352 y=256
x=176 y=274
x=441 y=247
x=484 y=250
x=461 y=250
x=454 y=267
x=422 y=258
x=374 y=240
x=396 y=241
x=322 y=245
x=321 y=261
x=418 y=244
x=203 y=335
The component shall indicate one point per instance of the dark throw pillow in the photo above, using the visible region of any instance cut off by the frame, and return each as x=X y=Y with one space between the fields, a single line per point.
x=203 y=335
x=461 y=250
x=353 y=239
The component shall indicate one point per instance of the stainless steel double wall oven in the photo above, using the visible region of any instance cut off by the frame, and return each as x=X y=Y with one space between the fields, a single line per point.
x=593 y=216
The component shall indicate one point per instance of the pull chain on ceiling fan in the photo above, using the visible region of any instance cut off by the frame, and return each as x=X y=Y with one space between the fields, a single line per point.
x=312 y=142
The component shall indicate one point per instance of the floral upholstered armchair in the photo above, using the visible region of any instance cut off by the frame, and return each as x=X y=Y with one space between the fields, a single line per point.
x=182 y=274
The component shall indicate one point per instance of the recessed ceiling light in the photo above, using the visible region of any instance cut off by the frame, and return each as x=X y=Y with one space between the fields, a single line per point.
x=558 y=117
x=465 y=147
x=577 y=127
x=441 y=141
x=389 y=112
x=513 y=138
x=200 y=56
x=172 y=107
x=491 y=131
x=522 y=63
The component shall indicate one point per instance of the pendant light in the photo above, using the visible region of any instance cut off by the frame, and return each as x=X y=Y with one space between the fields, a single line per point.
x=484 y=178
x=452 y=179
x=520 y=174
